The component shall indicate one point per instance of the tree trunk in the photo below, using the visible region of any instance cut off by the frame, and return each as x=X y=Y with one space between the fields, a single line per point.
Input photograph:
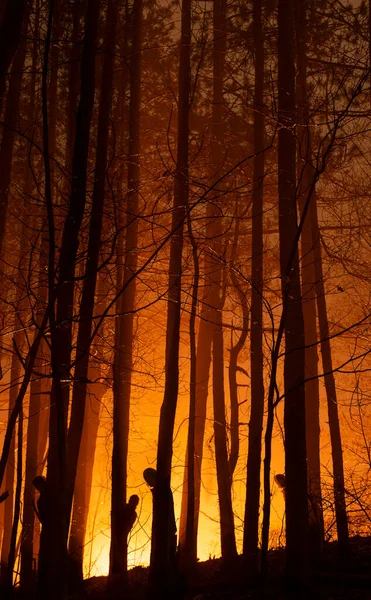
x=38 y=410
x=188 y=544
x=54 y=73
x=312 y=401
x=73 y=79
x=17 y=507
x=203 y=361
x=10 y=35
x=251 y=523
x=84 y=476
x=332 y=405
x=123 y=359
x=92 y=261
x=234 y=354
x=15 y=372
x=10 y=125
x=224 y=480
x=294 y=410
x=162 y=568
x=6 y=157
x=53 y=544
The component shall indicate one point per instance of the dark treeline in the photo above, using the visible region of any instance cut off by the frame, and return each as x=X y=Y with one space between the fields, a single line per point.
x=184 y=197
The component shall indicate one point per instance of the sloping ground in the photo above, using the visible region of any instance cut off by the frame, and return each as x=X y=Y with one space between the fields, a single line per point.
x=211 y=582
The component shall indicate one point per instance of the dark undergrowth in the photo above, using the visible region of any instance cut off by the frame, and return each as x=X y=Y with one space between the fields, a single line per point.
x=211 y=581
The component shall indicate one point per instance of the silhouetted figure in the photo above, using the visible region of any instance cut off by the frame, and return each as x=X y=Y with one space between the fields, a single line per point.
x=128 y=516
x=41 y=508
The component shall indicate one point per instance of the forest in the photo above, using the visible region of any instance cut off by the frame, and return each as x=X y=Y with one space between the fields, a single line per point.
x=185 y=299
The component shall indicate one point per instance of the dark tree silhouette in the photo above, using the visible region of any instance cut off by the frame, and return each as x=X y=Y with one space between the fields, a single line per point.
x=124 y=342
x=305 y=173
x=162 y=568
x=294 y=411
x=52 y=578
x=10 y=35
x=251 y=524
x=224 y=478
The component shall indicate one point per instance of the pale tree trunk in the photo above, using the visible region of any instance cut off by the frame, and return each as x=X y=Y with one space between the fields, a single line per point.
x=251 y=523
x=162 y=568
x=294 y=409
x=123 y=359
x=312 y=401
x=224 y=479
x=53 y=544
x=331 y=394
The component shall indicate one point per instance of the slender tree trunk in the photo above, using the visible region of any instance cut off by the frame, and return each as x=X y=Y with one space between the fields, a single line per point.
x=332 y=405
x=10 y=35
x=294 y=410
x=251 y=523
x=54 y=73
x=84 y=476
x=123 y=359
x=188 y=545
x=17 y=507
x=203 y=361
x=15 y=372
x=6 y=158
x=92 y=261
x=234 y=354
x=161 y=575
x=38 y=407
x=224 y=479
x=10 y=125
x=73 y=80
x=312 y=402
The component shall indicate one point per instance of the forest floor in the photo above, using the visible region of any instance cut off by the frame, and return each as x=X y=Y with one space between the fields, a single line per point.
x=210 y=582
